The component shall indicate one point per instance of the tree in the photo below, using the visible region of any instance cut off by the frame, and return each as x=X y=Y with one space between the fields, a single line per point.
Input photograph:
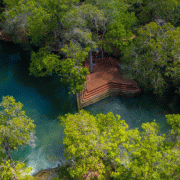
x=153 y=58
x=150 y=156
x=119 y=34
x=15 y=129
x=102 y=146
x=41 y=18
x=16 y=170
x=117 y=25
x=72 y=71
x=87 y=144
x=44 y=63
x=82 y=24
x=14 y=23
x=174 y=121
x=147 y=11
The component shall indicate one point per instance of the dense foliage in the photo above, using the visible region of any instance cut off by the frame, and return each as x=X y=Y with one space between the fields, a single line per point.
x=103 y=146
x=154 y=57
x=148 y=11
x=99 y=146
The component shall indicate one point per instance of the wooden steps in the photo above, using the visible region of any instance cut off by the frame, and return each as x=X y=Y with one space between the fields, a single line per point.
x=106 y=80
x=113 y=86
x=87 y=98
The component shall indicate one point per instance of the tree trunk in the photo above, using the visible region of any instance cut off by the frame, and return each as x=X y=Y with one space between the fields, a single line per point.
x=91 y=62
x=102 y=53
x=59 y=33
x=102 y=38
x=59 y=27
x=7 y=148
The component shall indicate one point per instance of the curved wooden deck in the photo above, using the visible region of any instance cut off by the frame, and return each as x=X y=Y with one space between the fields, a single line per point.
x=104 y=81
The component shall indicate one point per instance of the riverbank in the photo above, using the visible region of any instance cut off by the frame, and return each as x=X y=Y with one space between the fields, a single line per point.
x=47 y=174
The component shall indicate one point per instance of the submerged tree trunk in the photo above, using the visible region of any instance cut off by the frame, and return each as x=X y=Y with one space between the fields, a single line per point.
x=90 y=60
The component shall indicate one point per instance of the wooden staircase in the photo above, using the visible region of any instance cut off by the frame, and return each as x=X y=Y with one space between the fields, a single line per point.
x=86 y=98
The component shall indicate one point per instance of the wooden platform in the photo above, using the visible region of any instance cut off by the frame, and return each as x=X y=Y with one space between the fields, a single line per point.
x=106 y=80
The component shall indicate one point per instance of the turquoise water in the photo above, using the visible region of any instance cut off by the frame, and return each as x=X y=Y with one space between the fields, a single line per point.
x=134 y=110
x=46 y=98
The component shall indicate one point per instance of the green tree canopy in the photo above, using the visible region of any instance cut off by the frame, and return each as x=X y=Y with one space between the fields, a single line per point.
x=147 y=11
x=40 y=19
x=117 y=25
x=153 y=58
x=72 y=71
x=103 y=147
x=82 y=24
x=44 y=18
x=15 y=129
x=89 y=145
x=44 y=63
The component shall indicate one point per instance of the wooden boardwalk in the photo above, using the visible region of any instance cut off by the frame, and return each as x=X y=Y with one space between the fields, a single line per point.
x=104 y=81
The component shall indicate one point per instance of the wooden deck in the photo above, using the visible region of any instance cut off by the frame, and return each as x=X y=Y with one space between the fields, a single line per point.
x=104 y=81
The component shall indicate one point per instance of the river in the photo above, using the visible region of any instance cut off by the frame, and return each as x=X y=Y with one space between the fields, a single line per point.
x=46 y=98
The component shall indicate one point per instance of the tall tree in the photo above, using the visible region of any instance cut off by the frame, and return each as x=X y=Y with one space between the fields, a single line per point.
x=15 y=129
x=147 y=11
x=43 y=18
x=44 y=63
x=153 y=59
x=174 y=121
x=72 y=71
x=117 y=25
x=90 y=143
x=83 y=24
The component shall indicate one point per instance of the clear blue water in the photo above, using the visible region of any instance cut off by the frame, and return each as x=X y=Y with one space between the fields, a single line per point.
x=46 y=98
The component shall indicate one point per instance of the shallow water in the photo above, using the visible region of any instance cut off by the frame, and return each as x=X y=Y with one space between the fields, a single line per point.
x=46 y=98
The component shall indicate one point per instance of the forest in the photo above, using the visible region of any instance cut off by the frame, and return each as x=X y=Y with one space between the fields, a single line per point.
x=59 y=34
